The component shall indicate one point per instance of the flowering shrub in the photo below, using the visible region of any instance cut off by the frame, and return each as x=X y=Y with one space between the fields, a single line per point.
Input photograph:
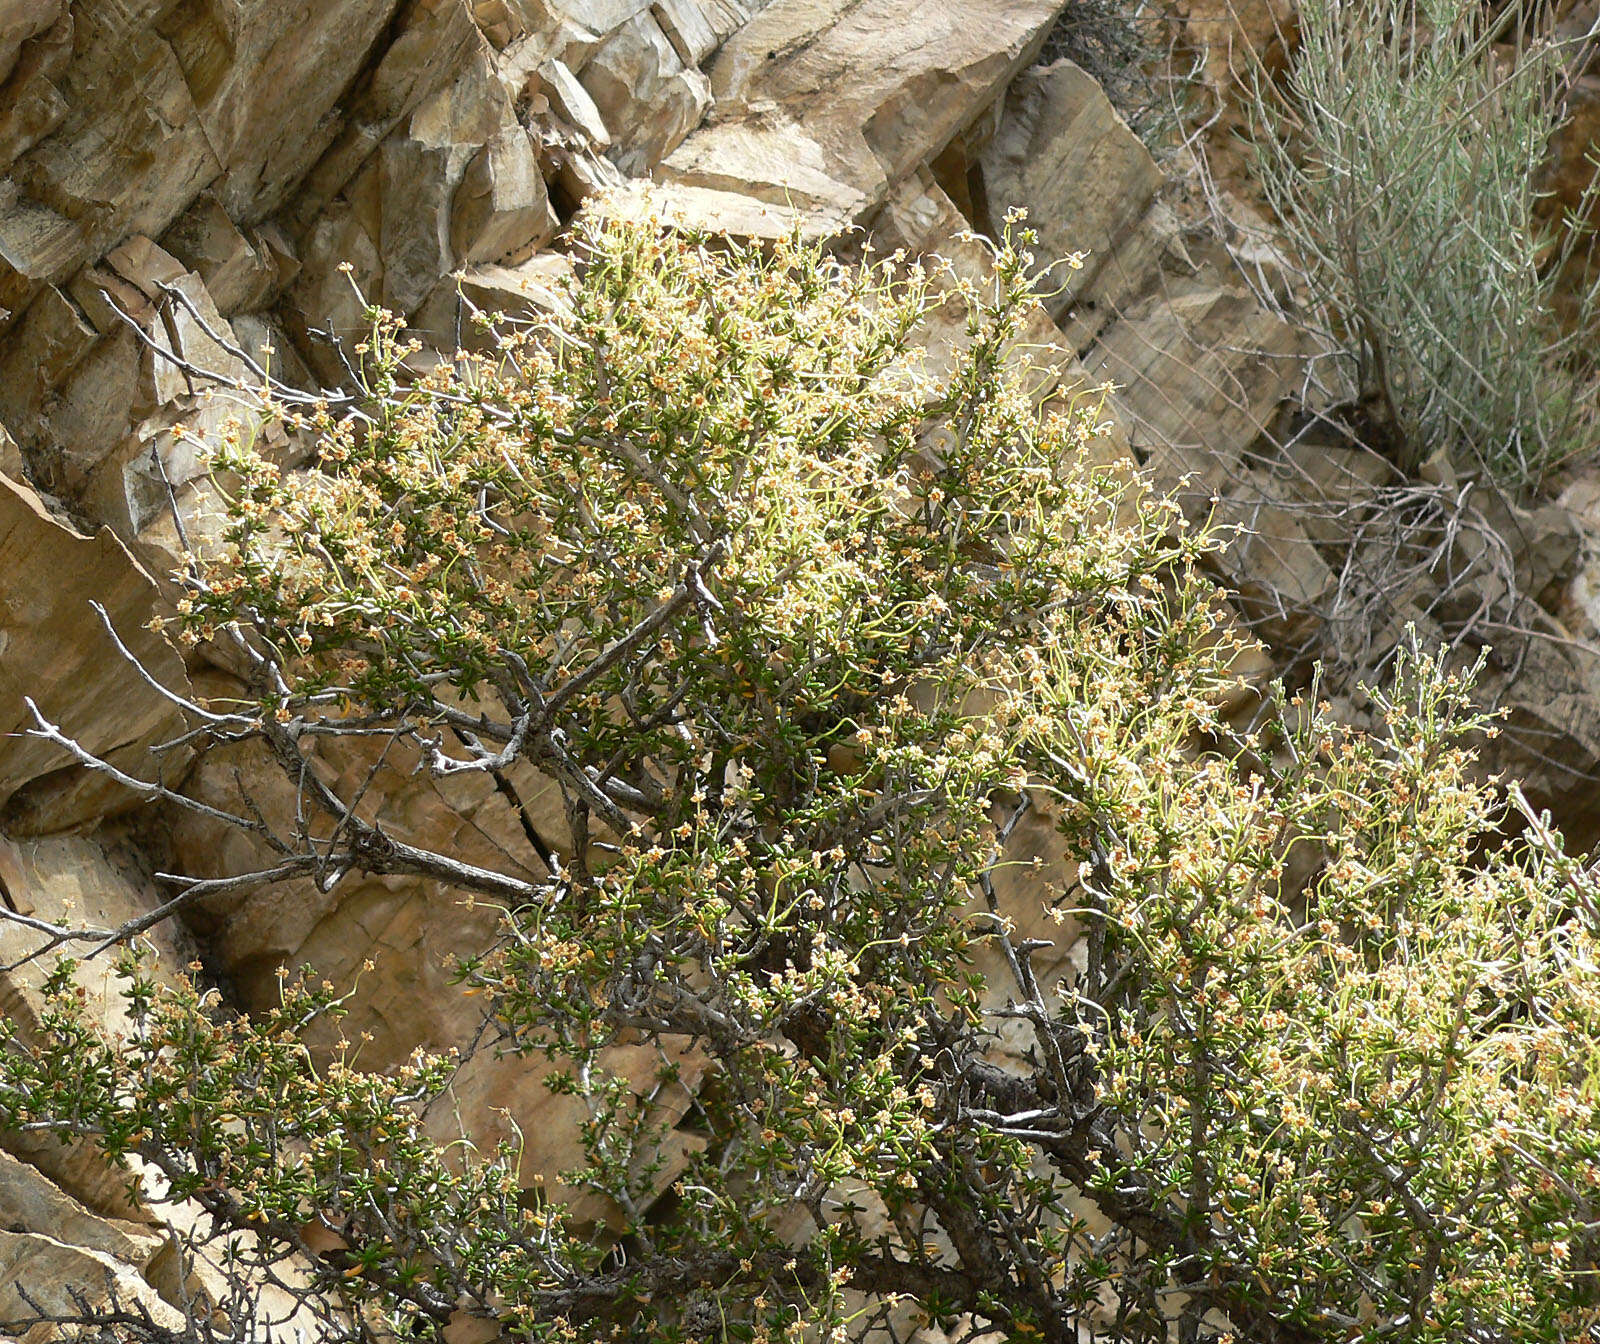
x=801 y=632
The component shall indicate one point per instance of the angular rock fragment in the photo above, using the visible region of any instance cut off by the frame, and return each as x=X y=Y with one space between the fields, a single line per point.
x=60 y=1278
x=687 y=28
x=517 y=292
x=31 y=1202
x=54 y=648
x=822 y=107
x=1203 y=369
x=237 y=275
x=21 y=20
x=1063 y=153
x=85 y=882
x=646 y=97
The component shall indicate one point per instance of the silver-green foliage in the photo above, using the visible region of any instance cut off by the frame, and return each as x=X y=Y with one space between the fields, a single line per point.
x=1404 y=157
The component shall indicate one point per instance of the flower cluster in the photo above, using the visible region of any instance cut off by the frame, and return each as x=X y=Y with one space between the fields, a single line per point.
x=799 y=632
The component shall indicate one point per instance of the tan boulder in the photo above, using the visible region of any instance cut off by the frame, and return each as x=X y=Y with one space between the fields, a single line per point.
x=31 y=1202
x=1549 y=739
x=82 y=882
x=264 y=88
x=825 y=106
x=570 y=103
x=21 y=20
x=1202 y=369
x=501 y=210
x=33 y=105
x=128 y=156
x=460 y=182
x=1330 y=486
x=921 y=219
x=1278 y=577
x=647 y=98
x=726 y=17
x=324 y=300
x=434 y=36
x=40 y=1274
x=721 y=210
x=238 y=274
x=54 y=648
x=38 y=353
x=688 y=28
x=535 y=287
x=1063 y=153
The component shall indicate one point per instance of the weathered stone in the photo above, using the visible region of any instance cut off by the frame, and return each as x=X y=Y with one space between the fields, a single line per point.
x=89 y=414
x=602 y=16
x=274 y=246
x=647 y=99
x=558 y=38
x=1329 y=486
x=11 y=463
x=467 y=129
x=726 y=17
x=535 y=287
x=128 y=157
x=844 y=73
x=1275 y=572
x=1238 y=40
x=21 y=20
x=54 y=648
x=264 y=82
x=323 y=298
x=254 y=932
x=435 y=36
x=1064 y=154
x=30 y=1202
x=38 y=246
x=80 y=881
x=33 y=105
x=265 y=340
x=1550 y=737
x=570 y=101
x=63 y=1279
x=206 y=241
x=582 y=173
x=36 y=356
x=107 y=300
x=920 y=218
x=495 y=21
x=770 y=158
x=501 y=209
x=191 y=341
x=1202 y=369
x=713 y=210
x=686 y=27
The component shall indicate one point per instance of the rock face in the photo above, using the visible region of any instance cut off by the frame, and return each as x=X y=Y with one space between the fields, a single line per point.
x=1062 y=152
x=183 y=182
x=89 y=881
x=55 y=648
x=820 y=108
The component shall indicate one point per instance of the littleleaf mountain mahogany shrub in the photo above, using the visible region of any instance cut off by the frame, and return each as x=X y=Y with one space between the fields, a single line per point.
x=799 y=630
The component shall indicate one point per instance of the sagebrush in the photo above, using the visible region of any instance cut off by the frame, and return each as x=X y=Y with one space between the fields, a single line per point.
x=1404 y=156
